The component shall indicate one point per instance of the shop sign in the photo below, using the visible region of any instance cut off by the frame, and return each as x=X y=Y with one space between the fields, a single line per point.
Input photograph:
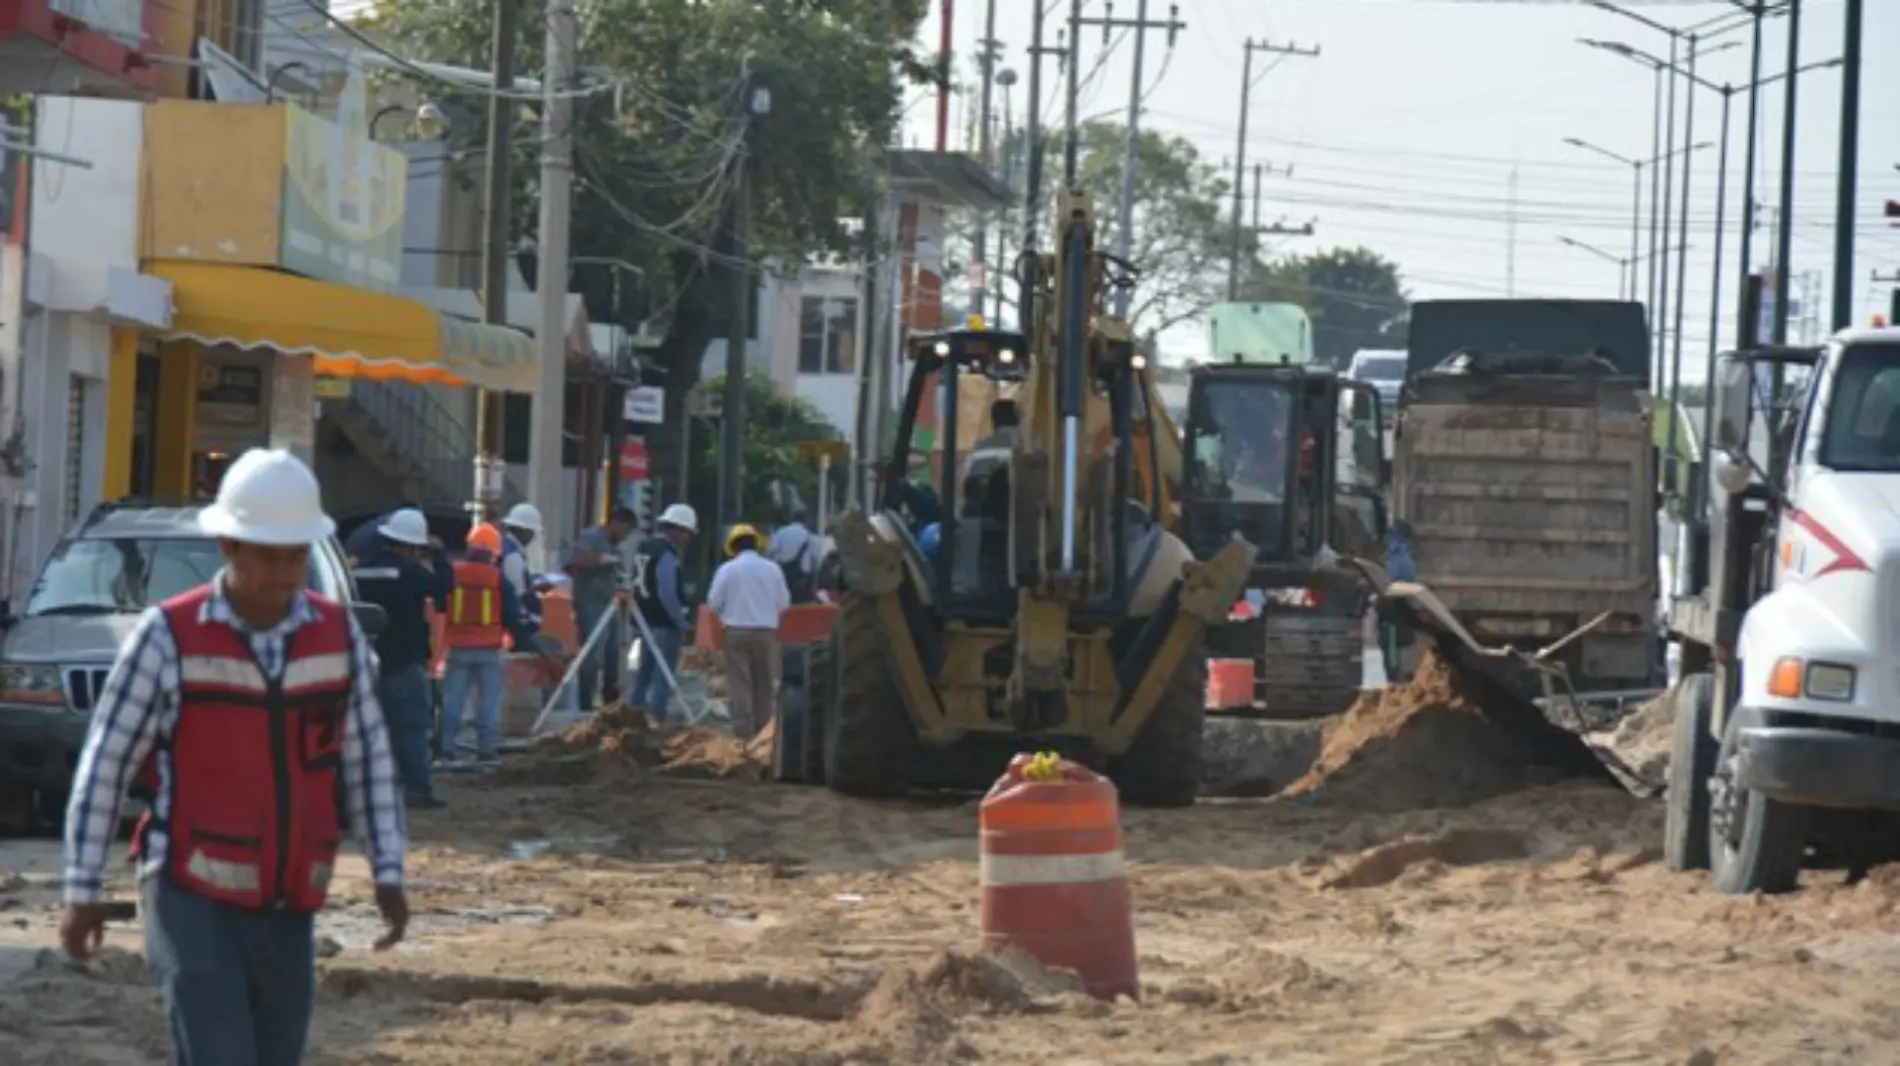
x=343 y=196
x=633 y=459
x=646 y=403
x=230 y=397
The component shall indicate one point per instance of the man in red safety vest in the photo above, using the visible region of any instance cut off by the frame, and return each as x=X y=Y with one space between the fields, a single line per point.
x=251 y=700
x=483 y=613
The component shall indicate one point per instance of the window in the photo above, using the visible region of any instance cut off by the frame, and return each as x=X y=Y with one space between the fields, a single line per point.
x=1863 y=425
x=827 y=335
x=100 y=575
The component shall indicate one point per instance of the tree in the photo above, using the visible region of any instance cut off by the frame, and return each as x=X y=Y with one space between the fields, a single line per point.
x=1182 y=237
x=776 y=422
x=1353 y=295
x=655 y=159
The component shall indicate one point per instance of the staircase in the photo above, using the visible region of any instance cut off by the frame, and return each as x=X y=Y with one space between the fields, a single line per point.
x=413 y=438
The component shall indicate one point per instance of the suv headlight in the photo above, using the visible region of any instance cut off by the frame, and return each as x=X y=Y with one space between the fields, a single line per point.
x=37 y=684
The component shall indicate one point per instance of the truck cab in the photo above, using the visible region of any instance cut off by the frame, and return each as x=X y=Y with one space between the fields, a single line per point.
x=1789 y=711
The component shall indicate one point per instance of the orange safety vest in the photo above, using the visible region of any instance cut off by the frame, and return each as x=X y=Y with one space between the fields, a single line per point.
x=474 y=619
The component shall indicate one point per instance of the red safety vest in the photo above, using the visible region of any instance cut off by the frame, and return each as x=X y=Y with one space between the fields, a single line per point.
x=251 y=814
x=474 y=618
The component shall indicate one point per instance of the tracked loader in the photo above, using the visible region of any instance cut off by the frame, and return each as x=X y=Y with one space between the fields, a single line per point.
x=1057 y=611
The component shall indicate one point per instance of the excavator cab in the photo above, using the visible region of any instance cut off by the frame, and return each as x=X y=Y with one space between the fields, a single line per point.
x=1292 y=458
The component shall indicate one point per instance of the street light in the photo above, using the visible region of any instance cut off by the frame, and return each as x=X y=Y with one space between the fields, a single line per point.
x=1622 y=264
x=1636 y=206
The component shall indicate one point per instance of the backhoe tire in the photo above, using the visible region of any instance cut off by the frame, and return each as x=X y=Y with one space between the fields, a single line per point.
x=869 y=738
x=1163 y=767
x=1693 y=752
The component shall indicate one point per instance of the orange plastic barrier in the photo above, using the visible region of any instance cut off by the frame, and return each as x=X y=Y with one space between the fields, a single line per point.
x=1229 y=684
x=1053 y=882
x=805 y=623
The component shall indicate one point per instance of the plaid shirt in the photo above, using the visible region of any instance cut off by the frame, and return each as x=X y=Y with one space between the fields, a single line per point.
x=139 y=704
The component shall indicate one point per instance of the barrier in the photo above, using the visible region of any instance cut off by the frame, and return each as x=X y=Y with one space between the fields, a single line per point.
x=805 y=623
x=1052 y=873
x=1229 y=684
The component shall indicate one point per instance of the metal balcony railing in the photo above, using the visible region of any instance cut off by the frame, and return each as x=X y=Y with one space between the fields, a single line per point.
x=425 y=433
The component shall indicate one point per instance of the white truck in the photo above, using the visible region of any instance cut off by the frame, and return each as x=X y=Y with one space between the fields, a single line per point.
x=1788 y=709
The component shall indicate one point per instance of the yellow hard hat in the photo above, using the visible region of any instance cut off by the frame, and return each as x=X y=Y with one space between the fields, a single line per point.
x=739 y=532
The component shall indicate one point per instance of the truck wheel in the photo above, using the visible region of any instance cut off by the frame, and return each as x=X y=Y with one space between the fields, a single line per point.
x=1692 y=757
x=1163 y=767
x=1755 y=844
x=868 y=736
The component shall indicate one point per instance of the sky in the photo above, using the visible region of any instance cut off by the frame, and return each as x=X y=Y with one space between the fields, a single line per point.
x=1403 y=134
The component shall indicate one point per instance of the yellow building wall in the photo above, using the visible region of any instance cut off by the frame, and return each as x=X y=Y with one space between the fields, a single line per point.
x=214 y=182
x=177 y=417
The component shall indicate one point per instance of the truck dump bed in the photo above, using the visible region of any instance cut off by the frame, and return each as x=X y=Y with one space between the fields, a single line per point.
x=1531 y=497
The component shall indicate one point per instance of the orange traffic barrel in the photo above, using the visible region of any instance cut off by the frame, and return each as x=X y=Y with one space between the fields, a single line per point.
x=1053 y=882
x=1229 y=684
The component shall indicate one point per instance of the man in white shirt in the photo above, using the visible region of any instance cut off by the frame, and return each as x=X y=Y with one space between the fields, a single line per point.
x=749 y=595
x=794 y=549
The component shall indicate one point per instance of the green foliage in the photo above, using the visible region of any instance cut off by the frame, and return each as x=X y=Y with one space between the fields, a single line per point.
x=1354 y=296
x=776 y=422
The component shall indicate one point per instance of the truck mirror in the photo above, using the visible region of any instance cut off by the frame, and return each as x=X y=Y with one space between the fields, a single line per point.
x=1732 y=472
x=1732 y=399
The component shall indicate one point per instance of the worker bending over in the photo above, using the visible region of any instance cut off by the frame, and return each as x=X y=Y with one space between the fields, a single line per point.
x=749 y=595
x=254 y=699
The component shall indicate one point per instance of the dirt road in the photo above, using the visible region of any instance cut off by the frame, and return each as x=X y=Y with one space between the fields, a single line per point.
x=580 y=912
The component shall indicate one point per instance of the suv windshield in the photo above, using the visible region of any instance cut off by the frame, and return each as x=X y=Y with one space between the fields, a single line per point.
x=101 y=575
x=1863 y=418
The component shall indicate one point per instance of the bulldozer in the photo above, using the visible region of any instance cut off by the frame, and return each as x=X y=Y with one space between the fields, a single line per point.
x=1057 y=611
x=1292 y=457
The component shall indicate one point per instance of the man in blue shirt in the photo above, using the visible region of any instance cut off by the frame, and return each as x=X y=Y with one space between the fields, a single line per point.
x=656 y=595
x=403 y=572
x=594 y=563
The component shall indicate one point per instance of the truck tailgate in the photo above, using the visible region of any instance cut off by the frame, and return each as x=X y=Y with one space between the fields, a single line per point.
x=1530 y=495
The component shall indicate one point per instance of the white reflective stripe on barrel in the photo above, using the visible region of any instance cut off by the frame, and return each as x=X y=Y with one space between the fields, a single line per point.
x=1051 y=869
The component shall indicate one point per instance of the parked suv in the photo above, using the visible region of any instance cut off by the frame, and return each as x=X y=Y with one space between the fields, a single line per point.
x=56 y=650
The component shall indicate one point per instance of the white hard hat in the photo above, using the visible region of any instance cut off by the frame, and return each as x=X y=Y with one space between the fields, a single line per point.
x=524 y=516
x=268 y=496
x=406 y=526
x=681 y=515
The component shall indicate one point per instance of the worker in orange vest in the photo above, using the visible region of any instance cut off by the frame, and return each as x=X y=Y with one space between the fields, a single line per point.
x=483 y=612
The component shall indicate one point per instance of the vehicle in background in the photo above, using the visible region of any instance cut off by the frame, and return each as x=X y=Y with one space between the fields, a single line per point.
x=56 y=651
x=1524 y=464
x=1381 y=368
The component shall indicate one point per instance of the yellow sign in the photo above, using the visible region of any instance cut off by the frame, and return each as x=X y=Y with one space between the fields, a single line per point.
x=328 y=388
x=343 y=196
x=835 y=450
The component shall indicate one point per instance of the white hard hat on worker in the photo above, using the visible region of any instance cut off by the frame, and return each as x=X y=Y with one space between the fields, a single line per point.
x=268 y=496
x=525 y=516
x=407 y=526
x=681 y=516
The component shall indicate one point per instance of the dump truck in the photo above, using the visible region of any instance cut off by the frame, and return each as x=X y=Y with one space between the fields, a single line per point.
x=1524 y=472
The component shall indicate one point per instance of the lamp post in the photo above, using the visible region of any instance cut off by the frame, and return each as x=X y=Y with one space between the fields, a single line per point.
x=1622 y=264
x=1636 y=206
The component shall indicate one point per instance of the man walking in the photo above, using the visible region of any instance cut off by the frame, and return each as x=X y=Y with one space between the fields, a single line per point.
x=403 y=574
x=749 y=596
x=657 y=595
x=482 y=614
x=594 y=564
x=254 y=700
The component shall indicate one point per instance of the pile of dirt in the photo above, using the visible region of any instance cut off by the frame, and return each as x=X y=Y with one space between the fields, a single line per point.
x=1641 y=742
x=922 y=1003
x=706 y=663
x=619 y=738
x=1423 y=743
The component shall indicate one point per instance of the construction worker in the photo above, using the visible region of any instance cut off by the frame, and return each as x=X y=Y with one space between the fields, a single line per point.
x=519 y=527
x=404 y=573
x=749 y=595
x=482 y=614
x=363 y=540
x=594 y=562
x=660 y=598
x=795 y=549
x=252 y=702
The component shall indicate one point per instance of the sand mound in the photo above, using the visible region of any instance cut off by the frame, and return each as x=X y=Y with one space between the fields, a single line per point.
x=1424 y=743
x=1642 y=741
x=618 y=739
x=923 y=1002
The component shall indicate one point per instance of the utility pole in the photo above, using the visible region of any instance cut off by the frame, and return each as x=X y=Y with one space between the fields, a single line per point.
x=489 y=404
x=1070 y=133
x=1247 y=82
x=986 y=60
x=549 y=410
x=1657 y=377
x=1784 y=221
x=1139 y=26
x=1682 y=254
x=1032 y=195
x=1850 y=159
x=756 y=101
x=1747 y=331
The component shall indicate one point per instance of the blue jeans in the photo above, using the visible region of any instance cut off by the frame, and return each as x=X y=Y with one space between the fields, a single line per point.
x=408 y=709
x=237 y=985
x=650 y=688
x=486 y=672
x=606 y=655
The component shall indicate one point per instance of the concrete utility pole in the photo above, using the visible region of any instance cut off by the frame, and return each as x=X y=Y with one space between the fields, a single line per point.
x=1784 y=220
x=991 y=51
x=489 y=465
x=1850 y=161
x=1070 y=126
x=1032 y=196
x=756 y=100
x=557 y=177
x=1125 y=219
x=1247 y=82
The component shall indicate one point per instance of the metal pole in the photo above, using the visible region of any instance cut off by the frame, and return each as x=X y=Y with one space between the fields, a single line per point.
x=732 y=417
x=547 y=415
x=1745 y=329
x=1032 y=193
x=1125 y=222
x=1715 y=291
x=944 y=37
x=1682 y=262
x=1668 y=207
x=1655 y=201
x=1240 y=171
x=1850 y=161
x=501 y=110
x=986 y=147
x=1636 y=225
x=1071 y=134
x=1784 y=220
